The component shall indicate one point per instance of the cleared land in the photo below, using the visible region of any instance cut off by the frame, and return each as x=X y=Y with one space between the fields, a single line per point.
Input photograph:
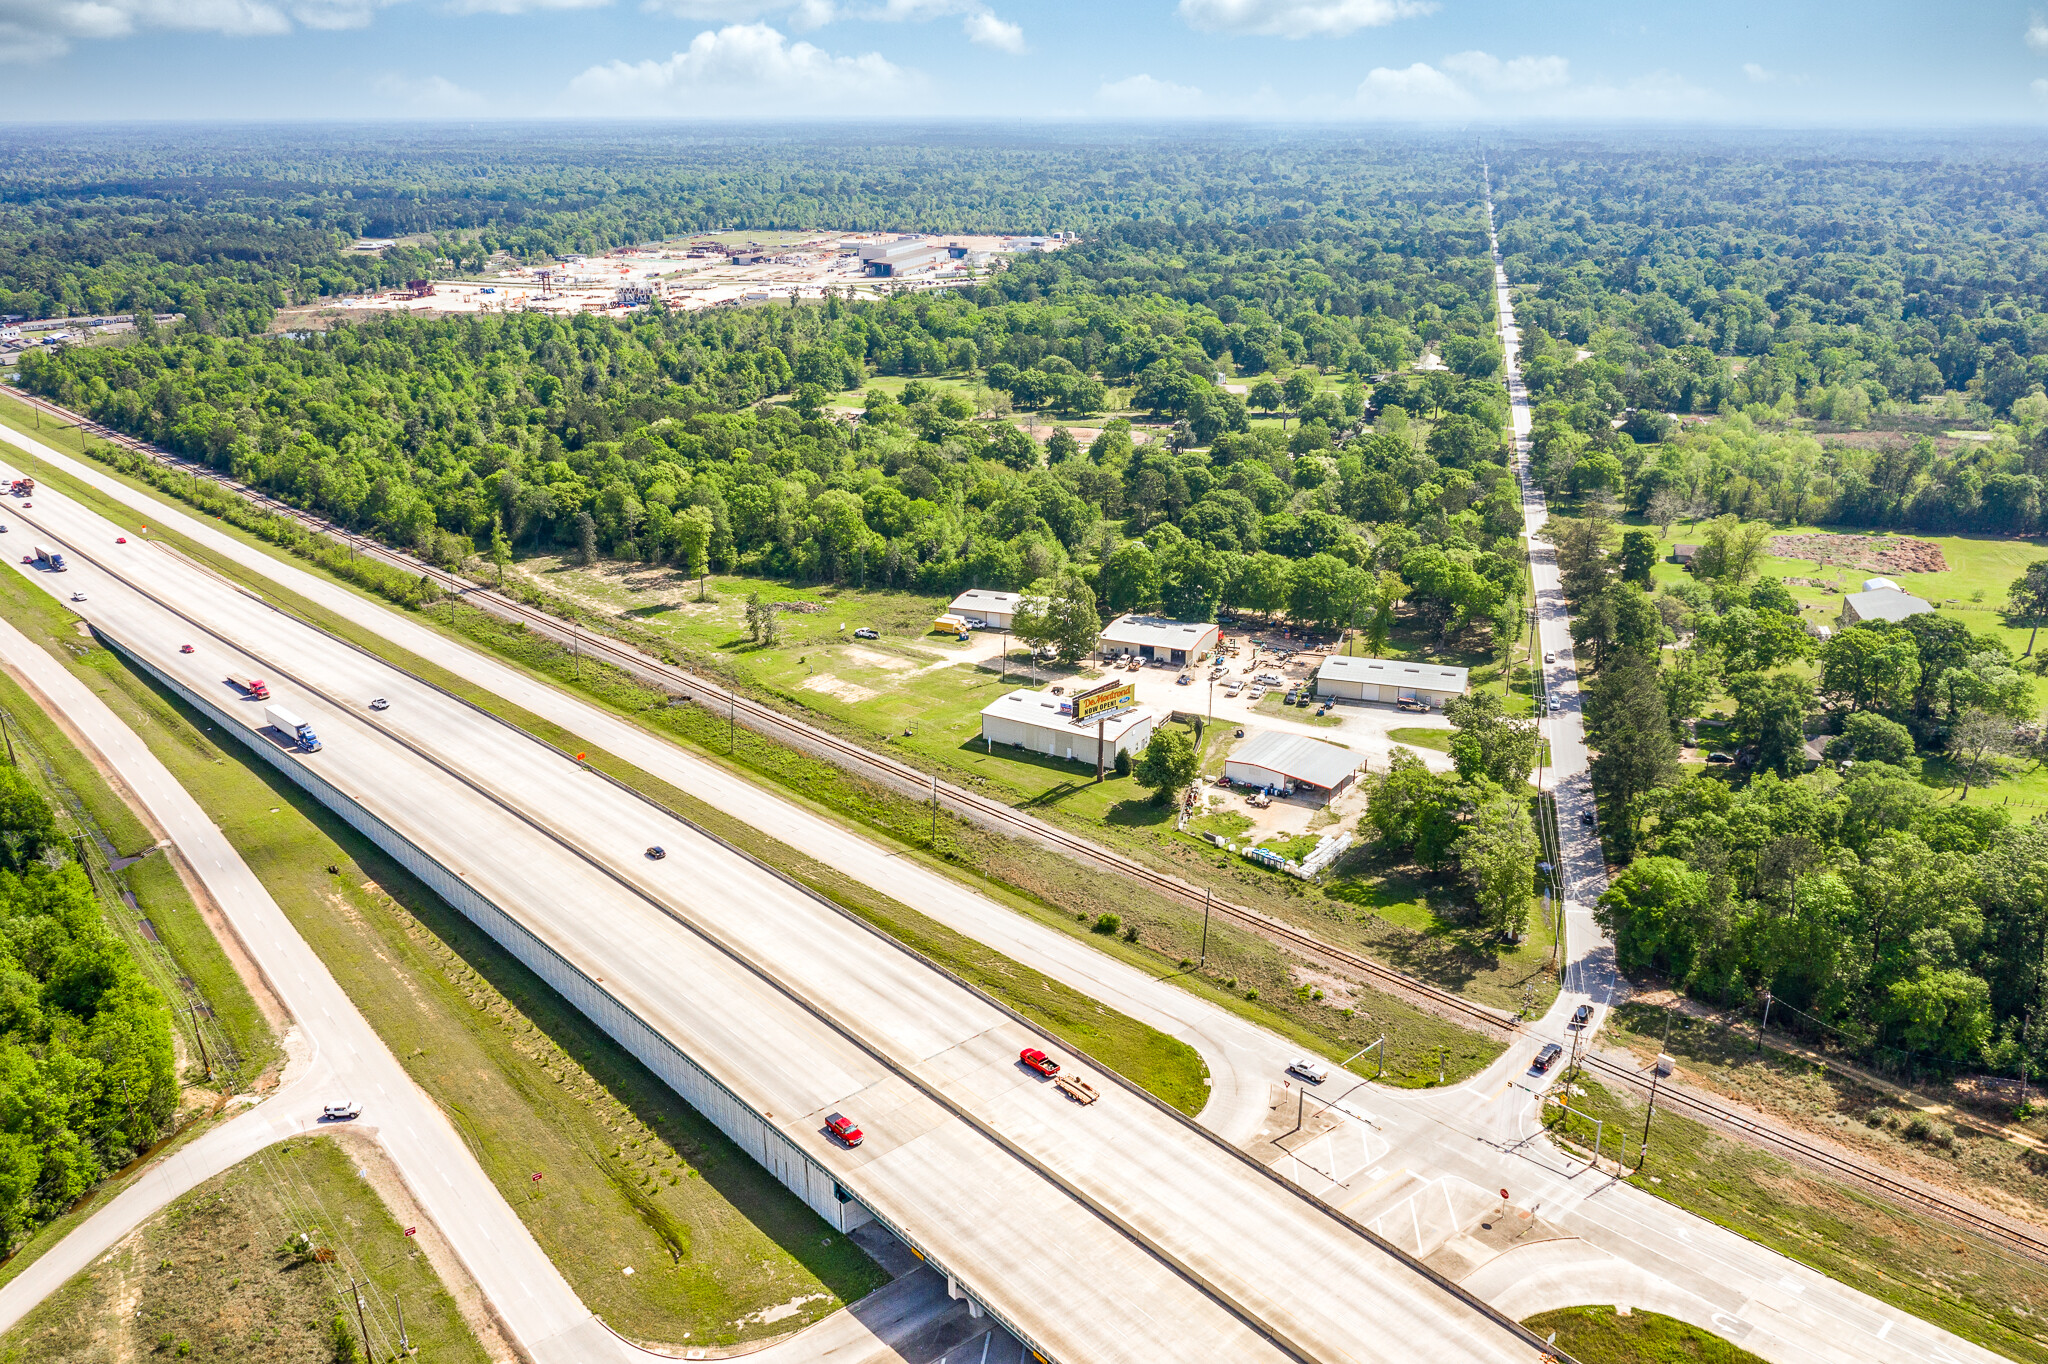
x=216 y=1275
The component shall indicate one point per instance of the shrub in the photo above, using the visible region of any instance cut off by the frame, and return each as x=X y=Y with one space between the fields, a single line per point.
x=1106 y=924
x=1123 y=762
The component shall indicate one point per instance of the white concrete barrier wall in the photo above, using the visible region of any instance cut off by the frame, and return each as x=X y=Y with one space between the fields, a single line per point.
x=729 y=1113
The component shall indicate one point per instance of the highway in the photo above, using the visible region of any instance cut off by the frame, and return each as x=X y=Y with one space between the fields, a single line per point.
x=1479 y=1135
x=343 y=1058
x=1075 y=1225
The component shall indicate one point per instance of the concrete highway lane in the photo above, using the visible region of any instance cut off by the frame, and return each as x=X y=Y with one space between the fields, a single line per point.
x=1109 y=1232
x=1243 y=1060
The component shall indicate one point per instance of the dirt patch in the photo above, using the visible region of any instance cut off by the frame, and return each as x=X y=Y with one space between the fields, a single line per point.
x=868 y=658
x=1875 y=553
x=839 y=687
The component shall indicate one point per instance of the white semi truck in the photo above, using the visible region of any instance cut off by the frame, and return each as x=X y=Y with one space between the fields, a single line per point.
x=292 y=727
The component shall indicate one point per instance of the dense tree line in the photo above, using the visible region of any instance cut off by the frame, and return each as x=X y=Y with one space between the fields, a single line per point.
x=86 y=1065
x=650 y=438
x=1841 y=284
x=228 y=225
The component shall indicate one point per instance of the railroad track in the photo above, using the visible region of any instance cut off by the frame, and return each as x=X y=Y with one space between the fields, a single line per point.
x=899 y=775
x=2005 y=1233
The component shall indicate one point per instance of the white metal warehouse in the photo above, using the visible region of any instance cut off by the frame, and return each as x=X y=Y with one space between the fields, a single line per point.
x=1273 y=758
x=1045 y=723
x=1169 y=641
x=996 y=609
x=1380 y=679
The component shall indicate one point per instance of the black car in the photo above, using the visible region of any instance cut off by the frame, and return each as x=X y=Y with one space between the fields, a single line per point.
x=656 y=853
x=1547 y=1058
x=1582 y=1015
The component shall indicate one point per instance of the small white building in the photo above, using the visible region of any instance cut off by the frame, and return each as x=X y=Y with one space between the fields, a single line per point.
x=994 y=609
x=1169 y=641
x=1273 y=758
x=1044 y=723
x=1381 y=679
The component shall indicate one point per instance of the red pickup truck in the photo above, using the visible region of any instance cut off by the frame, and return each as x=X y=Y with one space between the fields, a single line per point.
x=842 y=1127
x=1039 y=1061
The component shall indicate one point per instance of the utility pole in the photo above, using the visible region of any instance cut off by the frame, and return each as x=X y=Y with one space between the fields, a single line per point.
x=935 y=812
x=203 y=1059
x=1644 y=1160
x=732 y=733
x=7 y=734
x=1764 y=1020
x=403 y=1343
x=1206 y=897
x=1101 y=737
x=361 y=1324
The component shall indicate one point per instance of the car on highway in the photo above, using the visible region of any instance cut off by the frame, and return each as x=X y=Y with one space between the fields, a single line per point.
x=184 y=648
x=1039 y=1061
x=346 y=1111
x=1309 y=1069
x=656 y=853
x=1547 y=1057
x=78 y=596
x=380 y=704
x=1582 y=1015
x=841 y=1126
x=120 y=539
x=1550 y=658
x=865 y=633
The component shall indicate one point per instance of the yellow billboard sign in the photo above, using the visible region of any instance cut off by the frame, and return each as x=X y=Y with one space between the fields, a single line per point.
x=1122 y=696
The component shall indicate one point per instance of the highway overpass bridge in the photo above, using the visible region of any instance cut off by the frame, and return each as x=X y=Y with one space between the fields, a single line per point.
x=1118 y=1231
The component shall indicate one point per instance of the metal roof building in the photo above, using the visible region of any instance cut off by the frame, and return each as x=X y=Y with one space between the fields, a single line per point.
x=1045 y=723
x=1172 y=641
x=1886 y=603
x=1273 y=758
x=1382 y=679
x=990 y=608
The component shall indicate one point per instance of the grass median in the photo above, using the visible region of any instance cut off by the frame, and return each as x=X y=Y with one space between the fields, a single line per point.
x=215 y=1276
x=1601 y=1335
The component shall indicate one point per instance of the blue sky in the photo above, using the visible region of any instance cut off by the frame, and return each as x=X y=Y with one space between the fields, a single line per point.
x=1756 y=62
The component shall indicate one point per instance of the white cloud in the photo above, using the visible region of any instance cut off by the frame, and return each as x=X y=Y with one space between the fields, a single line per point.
x=428 y=95
x=984 y=28
x=746 y=69
x=2037 y=33
x=37 y=30
x=520 y=6
x=1417 y=91
x=1298 y=18
x=1149 y=97
x=1517 y=75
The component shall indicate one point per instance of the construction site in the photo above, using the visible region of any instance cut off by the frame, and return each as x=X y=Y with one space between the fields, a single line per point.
x=714 y=272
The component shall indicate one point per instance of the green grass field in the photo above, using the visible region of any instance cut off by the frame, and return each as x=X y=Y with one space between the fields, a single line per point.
x=207 y=1277
x=1600 y=1335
